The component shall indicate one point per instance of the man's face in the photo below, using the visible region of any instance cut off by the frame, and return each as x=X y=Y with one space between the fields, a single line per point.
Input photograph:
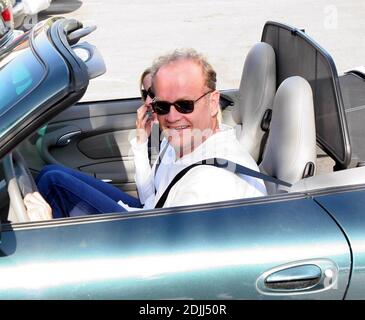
x=184 y=80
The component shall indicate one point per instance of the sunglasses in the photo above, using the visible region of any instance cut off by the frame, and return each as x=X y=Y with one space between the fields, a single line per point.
x=182 y=106
x=147 y=93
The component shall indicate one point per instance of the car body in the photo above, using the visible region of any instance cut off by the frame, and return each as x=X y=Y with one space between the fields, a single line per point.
x=304 y=244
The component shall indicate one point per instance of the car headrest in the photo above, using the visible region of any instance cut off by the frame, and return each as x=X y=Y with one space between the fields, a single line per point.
x=290 y=152
x=256 y=95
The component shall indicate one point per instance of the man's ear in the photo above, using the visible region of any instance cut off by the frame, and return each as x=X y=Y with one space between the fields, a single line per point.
x=214 y=102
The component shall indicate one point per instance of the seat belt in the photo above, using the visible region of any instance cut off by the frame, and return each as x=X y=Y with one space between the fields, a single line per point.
x=220 y=163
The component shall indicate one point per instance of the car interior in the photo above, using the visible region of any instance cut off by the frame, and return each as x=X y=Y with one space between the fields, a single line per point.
x=288 y=111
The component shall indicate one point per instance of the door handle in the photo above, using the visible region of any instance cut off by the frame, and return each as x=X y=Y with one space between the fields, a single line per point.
x=56 y=138
x=298 y=277
x=294 y=278
x=65 y=139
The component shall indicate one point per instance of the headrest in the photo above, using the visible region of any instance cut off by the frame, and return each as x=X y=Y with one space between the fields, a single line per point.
x=256 y=95
x=291 y=144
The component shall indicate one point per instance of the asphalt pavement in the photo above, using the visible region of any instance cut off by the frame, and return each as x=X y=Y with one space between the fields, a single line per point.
x=132 y=33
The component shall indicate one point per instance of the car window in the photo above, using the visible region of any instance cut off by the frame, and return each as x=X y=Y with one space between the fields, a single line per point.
x=18 y=78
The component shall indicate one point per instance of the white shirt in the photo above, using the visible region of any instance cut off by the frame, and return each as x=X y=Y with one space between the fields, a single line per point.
x=202 y=184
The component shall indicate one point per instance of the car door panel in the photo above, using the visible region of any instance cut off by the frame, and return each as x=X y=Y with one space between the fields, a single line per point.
x=93 y=138
x=216 y=251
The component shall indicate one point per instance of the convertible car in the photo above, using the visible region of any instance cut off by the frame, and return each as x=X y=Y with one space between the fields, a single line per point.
x=300 y=120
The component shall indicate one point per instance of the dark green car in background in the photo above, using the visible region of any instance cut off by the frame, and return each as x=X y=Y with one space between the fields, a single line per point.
x=307 y=243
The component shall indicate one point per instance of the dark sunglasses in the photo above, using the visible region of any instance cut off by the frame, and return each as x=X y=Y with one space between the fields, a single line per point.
x=182 y=106
x=147 y=93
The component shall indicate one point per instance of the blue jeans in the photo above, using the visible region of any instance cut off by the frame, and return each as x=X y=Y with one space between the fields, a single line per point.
x=73 y=193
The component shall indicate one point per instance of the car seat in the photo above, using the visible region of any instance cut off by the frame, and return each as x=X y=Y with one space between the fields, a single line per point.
x=290 y=152
x=255 y=98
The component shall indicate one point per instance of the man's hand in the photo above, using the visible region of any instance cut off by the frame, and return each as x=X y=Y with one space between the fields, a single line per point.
x=144 y=122
x=37 y=207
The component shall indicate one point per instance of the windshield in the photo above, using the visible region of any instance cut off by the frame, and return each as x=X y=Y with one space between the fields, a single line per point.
x=18 y=76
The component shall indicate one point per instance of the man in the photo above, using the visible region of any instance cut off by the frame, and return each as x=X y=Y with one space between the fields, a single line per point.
x=186 y=104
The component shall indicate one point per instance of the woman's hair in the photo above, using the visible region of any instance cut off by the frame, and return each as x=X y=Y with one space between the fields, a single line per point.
x=145 y=73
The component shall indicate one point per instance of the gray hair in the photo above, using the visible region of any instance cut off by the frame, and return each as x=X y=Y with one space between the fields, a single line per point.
x=188 y=54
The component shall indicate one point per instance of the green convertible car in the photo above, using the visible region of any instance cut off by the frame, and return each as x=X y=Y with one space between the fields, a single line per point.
x=300 y=120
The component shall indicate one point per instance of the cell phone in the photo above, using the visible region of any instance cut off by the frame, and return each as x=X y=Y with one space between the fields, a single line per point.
x=149 y=114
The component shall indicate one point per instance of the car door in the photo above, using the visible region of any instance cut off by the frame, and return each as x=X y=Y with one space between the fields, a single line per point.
x=281 y=247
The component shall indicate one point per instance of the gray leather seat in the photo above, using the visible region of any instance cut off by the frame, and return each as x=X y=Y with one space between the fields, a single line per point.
x=290 y=152
x=255 y=96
